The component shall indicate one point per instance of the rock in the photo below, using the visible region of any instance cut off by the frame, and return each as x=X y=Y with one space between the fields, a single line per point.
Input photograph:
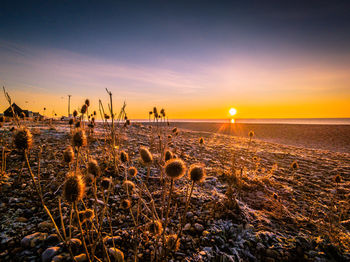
x=21 y=219
x=45 y=226
x=33 y=239
x=189 y=215
x=58 y=258
x=49 y=253
x=81 y=258
x=52 y=239
x=187 y=227
x=198 y=227
x=117 y=254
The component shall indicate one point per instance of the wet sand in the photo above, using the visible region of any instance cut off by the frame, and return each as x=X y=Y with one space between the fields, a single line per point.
x=324 y=137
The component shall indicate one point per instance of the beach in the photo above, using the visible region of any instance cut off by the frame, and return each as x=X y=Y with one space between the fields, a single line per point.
x=266 y=211
x=324 y=137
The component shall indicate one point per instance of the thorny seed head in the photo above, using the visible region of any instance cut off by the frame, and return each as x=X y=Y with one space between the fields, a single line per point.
x=201 y=141
x=124 y=157
x=87 y=214
x=74 y=188
x=295 y=165
x=155 y=227
x=132 y=171
x=146 y=155
x=94 y=113
x=128 y=185
x=197 y=173
x=79 y=138
x=155 y=111
x=106 y=182
x=337 y=179
x=125 y=204
x=93 y=168
x=68 y=154
x=83 y=109
x=23 y=139
x=251 y=134
x=162 y=112
x=275 y=196
x=168 y=155
x=75 y=113
x=172 y=243
x=174 y=130
x=87 y=102
x=175 y=168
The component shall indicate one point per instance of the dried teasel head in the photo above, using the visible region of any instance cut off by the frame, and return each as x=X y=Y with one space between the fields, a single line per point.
x=174 y=130
x=75 y=113
x=23 y=139
x=106 y=182
x=201 y=141
x=79 y=138
x=197 y=173
x=125 y=204
x=294 y=165
x=155 y=227
x=86 y=215
x=93 y=167
x=275 y=196
x=168 y=155
x=83 y=109
x=128 y=185
x=251 y=134
x=146 y=155
x=124 y=157
x=68 y=154
x=74 y=188
x=132 y=171
x=175 y=168
x=337 y=179
x=87 y=102
x=173 y=242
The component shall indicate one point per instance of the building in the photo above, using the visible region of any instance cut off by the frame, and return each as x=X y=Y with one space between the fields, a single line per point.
x=18 y=111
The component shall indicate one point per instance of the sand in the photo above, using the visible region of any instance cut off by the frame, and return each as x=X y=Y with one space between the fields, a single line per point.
x=325 y=137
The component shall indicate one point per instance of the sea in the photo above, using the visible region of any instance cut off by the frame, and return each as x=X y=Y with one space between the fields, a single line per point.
x=300 y=121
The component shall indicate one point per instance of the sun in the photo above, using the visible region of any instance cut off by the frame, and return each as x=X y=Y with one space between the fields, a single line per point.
x=233 y=111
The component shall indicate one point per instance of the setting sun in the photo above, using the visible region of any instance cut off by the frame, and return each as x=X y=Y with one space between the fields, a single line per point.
x=233 y=111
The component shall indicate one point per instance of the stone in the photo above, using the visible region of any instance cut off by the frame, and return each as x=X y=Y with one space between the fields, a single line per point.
x=81 y=258
x=198 y=227
x=187 y=227
x=49 y=253
x=32 y=239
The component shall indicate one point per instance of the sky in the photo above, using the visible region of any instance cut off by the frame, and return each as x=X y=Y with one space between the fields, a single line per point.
x=196 y=59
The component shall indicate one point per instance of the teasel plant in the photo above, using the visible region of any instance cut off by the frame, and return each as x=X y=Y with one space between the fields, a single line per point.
x=174 y=170
x=196 y=175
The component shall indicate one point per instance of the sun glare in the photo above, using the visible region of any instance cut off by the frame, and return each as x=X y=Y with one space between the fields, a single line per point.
x=233 y=111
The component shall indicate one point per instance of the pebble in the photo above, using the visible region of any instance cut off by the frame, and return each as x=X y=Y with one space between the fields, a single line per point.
x=198 y=227
x=32 y=239
x=49 y=253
